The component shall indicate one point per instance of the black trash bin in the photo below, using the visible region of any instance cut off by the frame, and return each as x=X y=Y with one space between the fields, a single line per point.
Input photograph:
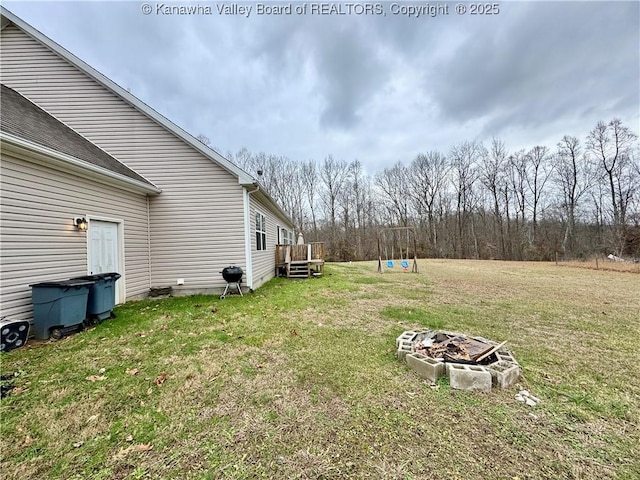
x=102 y=295
x=59 y=308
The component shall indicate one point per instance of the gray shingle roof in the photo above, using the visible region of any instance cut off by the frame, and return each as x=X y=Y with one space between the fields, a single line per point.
x=22 y=118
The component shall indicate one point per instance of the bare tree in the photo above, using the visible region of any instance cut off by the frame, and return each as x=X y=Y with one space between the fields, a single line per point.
x=538 y=172
x=597 y=194
x=243 y=159
x=475 y=202
x=281 y=177
x=333 y=174
x=204 y=139
x=493 y=177
x=516 y=195
x=428 y=173
x=359 y=186
x=611 y=143
x=464 y=159
x=573 y=179
x=633 y=216
x=393 y=183
x=518 y=180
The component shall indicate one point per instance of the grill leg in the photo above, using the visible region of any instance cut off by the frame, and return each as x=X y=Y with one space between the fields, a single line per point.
x=227 y=288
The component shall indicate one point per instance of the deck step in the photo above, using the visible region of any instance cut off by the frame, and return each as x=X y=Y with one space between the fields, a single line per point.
x=304 y=268
x=298 y=270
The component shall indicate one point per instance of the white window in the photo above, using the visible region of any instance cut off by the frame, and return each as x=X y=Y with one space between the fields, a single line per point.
x=285 y=237
x=261 y=232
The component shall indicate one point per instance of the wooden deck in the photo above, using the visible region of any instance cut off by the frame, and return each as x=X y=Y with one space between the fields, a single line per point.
x=300 y=261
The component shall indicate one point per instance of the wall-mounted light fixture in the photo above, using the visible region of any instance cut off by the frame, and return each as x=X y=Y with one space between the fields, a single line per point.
x=80 y=223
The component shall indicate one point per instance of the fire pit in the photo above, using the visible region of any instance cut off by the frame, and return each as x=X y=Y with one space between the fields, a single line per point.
x=472 y=363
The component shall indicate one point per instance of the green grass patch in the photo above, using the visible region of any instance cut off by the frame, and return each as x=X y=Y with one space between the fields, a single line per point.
x=420 y=316
x=371 y=280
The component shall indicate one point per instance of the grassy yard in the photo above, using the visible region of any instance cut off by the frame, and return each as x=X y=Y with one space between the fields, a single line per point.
x=300 y=380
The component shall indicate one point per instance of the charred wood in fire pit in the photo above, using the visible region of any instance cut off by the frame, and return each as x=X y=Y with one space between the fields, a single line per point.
x=458 y=359
x=455 y=348
x=490 y=351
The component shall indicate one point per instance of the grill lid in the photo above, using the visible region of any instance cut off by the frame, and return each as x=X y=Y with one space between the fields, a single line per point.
x=232 y=273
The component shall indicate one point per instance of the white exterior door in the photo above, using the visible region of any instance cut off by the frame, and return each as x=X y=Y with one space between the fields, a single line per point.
x=103 y=249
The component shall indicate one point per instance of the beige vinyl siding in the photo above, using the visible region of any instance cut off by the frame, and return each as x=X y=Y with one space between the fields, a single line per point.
x=197 y=222
x=197 y=225
x=263 y=262
x=38 y=240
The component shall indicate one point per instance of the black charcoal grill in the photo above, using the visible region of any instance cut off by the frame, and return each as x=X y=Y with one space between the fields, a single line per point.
x=233 y=276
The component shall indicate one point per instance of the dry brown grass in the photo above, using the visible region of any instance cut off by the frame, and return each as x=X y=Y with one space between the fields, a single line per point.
x=602 y=264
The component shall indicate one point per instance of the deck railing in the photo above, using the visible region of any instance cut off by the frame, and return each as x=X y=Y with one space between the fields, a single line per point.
x=308 y=252
x=290 y=256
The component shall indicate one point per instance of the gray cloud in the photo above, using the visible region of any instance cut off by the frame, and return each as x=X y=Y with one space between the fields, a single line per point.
x=340 y=59
x=380 y=89
x=352 y=71
x=548 y=60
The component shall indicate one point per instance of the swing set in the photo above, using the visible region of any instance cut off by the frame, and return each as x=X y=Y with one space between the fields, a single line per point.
x=396 y=232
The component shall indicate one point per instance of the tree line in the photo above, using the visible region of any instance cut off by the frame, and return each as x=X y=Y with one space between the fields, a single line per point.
x=575 y=199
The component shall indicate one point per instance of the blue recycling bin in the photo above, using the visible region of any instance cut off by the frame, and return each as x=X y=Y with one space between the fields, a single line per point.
x=59 y=307
x=102 y=295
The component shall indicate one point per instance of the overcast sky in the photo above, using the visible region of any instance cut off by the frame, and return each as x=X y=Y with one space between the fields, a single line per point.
x=378 y=88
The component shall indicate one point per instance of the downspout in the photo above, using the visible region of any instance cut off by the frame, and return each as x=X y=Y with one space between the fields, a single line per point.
x=247 y=233
x=149 y=240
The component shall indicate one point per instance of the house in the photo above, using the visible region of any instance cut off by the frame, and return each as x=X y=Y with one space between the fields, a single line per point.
x=50 y=175
x=162 y=208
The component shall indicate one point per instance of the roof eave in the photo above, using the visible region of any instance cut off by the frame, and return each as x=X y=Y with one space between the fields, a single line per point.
x=48 y=156
x=261 y=190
